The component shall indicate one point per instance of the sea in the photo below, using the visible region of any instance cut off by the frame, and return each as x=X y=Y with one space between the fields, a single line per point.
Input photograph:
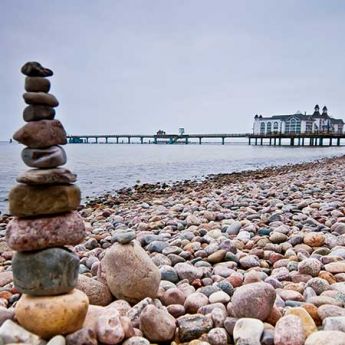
x=108 y=167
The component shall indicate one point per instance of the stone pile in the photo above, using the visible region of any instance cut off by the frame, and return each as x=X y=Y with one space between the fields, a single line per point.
x=45 y=219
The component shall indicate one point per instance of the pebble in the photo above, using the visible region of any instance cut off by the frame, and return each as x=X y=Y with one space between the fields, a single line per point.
x=217 y=336
x=193 y=326
x=46 y=176
x=124 y=236
x=84 y=336
x=37 y=84
x=326 y=338
x=248 y=331
x=40 y=98
x=335 y=323
x=219 y=297
x=253 y=301
x=35 y=69
x=195 y=301
x=289 y=331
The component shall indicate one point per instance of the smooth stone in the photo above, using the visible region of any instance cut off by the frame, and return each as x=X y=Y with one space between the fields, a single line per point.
x=57 y=340
x=136 y=340
x=335 y=267
x=97 y=292
x=48 y=158
x=27 y=201
x=328 y=310
x=310 y=266
x=248 y=331
x=124 y=236
x=11 y=332
x=35 y=69
x=193 y=326
x=41 y=134
x=195 y=301
x=47 y=176
x=130 y=273
x=40 y=98
x=173 y=296
x=38 y=112
x=217 y=336
x=168 y=273
x=157 y=324
x=84 y=336
x=46 y=272
x=326 y=338
x=52 y=315
x=336 y=323
x=308 y=323
x=219 y=297
x=109 y=329
x=187 y=271
x=289 y=331
x=23 y=234
x=253 y=301
x=176 y=310
x=6 y=314
x=37 y=84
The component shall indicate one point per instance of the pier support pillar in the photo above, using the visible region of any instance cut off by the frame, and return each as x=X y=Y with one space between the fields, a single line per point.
x=330 y=142
x=275 y=142
x=223 y=140
x=256 y=141
x=200 y=140
x=299 y=141
x=141 y=140
x=280 y=142
x=155 y=140
x=87 y=140
x=129 y=140
x=292 y=141
x=321 y=141
x=186 y=140
x=311 y=141
x=270 y=141
x=96 y=140
x=262 y=141
x=302 y=141
x=249 y=140
x=117 y=140
x=338 y=142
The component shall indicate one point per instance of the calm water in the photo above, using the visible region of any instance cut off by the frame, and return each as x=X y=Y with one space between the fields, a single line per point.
x=102 y=167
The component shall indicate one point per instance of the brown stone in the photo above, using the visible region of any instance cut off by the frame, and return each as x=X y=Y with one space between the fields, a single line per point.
x=27 y=201
x=47 y=176
x=97 y=292
x=41 y=134
x=40 y=98
x=308 y=323
x=51 y=231
x=38 y=112
x=37 y=84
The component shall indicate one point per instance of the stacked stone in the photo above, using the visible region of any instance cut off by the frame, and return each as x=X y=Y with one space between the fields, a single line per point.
x=44 y=204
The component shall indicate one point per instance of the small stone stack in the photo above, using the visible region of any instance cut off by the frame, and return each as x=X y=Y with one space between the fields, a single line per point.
x=44 y=204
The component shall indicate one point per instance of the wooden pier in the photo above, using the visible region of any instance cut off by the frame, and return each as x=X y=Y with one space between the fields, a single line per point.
x=314 y=139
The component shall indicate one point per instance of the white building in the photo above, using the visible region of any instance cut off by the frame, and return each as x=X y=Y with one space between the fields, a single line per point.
x=298 y=123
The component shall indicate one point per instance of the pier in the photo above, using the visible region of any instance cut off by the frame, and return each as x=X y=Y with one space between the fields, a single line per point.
x=312 y=139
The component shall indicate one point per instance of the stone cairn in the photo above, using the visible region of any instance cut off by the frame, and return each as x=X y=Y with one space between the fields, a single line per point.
x=44 y=204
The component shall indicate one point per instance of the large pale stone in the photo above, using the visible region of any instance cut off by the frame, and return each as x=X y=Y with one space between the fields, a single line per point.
x=47 y=176
x=10 y=332
x=308 y=323
x=248 y=331
x=24 y=234
x=52 y=315
x=326 y=338
x=51 y=271
x=26 y=201
x=41 y=134
x=130 y=273
x=38 y=112
x=48 y=158
x=289 y=331
x=35 y=69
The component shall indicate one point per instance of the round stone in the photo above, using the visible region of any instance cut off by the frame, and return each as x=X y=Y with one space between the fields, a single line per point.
x=130 y=273
x=40 y=98
x=41 y=134
x=27 y=201
x=289 y=331
x=37 y=84
x=52 y=315
x=253 y=300
x=45 y=272
x=35 y=69
x=23 y=234
x=38 y=112
x=48 y=158
x=248 y=331
x=47 y=176
x=124 y=236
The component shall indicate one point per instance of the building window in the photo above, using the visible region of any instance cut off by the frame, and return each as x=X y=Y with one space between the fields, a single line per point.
x=309 y=126
x=262 y=128
x=269 y=127
x=276 y=127
x=293 y=126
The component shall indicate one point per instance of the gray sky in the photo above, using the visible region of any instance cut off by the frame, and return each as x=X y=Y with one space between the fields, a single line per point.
x=132 y=66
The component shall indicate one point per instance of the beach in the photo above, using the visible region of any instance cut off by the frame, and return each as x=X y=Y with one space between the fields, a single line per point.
x=255 y=246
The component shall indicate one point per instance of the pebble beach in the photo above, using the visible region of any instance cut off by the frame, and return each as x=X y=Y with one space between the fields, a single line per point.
x=255 y=257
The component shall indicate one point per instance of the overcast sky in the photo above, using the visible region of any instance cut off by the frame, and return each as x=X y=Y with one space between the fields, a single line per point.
x=132 y=66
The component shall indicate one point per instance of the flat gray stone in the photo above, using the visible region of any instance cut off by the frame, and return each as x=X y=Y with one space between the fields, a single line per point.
x=38 y=112
x=47 y=176
x=48 y=158
x=45 y=272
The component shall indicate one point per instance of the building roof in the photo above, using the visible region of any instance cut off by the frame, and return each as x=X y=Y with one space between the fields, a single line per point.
x=338 y=121
x=286 y=117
